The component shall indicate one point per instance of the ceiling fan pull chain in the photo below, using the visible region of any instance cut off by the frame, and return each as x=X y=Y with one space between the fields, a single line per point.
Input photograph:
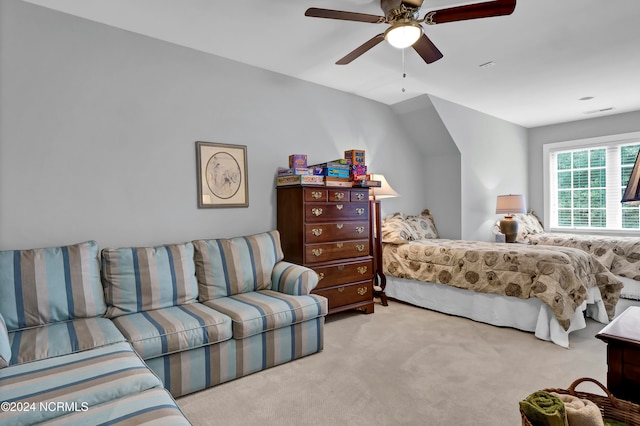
x=404 y=73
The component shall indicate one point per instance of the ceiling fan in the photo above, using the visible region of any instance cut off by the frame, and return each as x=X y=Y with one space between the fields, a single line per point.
x=405 y=29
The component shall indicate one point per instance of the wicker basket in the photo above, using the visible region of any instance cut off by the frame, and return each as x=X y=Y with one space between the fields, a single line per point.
x=610 y=406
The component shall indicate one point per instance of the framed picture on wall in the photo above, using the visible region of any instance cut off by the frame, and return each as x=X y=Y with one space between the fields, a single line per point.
x=222 y=175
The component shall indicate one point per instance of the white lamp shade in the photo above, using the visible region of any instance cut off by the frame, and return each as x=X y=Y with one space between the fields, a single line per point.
x=632 y=192
x=403 y=35
x=507 y=204
x=384 y=191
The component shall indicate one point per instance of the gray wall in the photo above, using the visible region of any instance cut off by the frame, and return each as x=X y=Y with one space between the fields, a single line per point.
x=583 y=129
x=98 y=129
x=442 y=182
x=493 y=155
x=443 y=185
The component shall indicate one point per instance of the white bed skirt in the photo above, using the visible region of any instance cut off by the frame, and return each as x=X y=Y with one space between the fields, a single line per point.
x=523 y=314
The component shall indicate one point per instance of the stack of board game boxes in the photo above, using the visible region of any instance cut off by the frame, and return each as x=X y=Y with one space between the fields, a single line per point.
x=343 y=172
x=298 y=173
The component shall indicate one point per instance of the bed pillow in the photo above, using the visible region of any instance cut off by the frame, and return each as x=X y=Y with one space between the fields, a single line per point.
x=5 y=346
x=423 y=225
x=396 y=230
x=528 y=224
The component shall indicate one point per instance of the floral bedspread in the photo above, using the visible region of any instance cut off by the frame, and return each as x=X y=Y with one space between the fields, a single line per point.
x=620 y=254
x=558 y=276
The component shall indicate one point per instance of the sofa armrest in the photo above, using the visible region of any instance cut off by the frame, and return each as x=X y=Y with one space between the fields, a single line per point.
x=293 y=279
x=5 y=345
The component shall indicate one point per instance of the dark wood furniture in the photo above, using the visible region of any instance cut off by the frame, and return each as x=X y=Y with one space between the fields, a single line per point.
x=622 y=336
x=329 y=230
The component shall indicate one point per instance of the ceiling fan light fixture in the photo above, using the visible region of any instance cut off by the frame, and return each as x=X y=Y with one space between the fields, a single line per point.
x=403 y=34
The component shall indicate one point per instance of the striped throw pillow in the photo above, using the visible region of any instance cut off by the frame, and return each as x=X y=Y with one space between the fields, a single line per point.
x=225 y=267
x=47 y=285
x=5 y=346
x=138 y=279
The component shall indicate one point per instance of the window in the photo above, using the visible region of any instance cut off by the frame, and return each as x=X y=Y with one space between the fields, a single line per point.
x=586 y=182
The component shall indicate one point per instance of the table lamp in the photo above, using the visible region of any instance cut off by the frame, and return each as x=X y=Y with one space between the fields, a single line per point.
x=508 y=205
x=375 y=195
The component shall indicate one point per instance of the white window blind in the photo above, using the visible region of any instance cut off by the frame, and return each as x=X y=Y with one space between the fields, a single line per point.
x=585 y=185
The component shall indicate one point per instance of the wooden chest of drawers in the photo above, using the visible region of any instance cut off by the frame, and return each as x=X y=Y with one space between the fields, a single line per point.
x=329 y=230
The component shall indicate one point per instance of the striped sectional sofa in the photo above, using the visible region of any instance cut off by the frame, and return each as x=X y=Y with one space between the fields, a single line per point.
x=107 y=331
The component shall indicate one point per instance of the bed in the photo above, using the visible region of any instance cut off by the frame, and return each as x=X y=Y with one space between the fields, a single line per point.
x=620 y=254
x=536 y=288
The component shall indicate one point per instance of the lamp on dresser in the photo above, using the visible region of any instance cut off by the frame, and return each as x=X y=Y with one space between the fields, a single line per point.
x=508 y=205
x=375 y=195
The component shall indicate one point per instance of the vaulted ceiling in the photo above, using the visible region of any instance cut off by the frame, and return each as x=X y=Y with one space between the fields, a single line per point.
x=548 y=56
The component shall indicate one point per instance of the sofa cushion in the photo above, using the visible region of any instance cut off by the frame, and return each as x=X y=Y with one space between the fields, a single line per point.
x=5 y=346
x=151 y=407
x=140 y=279
x=225 y=267
x=62 y=338
x=260 y=311
x=84 y=379
x=42 y=286
x=163 y=331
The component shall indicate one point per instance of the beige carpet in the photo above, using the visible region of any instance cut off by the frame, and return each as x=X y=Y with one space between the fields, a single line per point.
x=405 y=365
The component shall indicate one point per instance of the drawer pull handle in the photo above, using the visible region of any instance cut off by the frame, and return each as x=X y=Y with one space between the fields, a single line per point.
x=341 y=289
x=362 y=291
x=316 y=211
x=339 y=245
x=316 y=195
x=362 y=270
x=316 y=252
x=339 y=225
x=316 y=231
x=360 y=196
x=339 y=206
x=320 y=276
x=339 y=196
x=341 y=268
x=360 y=247
x=359 y=211
x=359 y=229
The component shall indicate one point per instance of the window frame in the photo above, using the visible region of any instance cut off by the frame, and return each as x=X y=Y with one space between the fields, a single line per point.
x=588 y=143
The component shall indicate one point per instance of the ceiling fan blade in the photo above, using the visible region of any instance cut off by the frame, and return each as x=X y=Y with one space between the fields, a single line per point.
x=315 y=12
x=472 y=11
x=427 y=49
x=360 y=50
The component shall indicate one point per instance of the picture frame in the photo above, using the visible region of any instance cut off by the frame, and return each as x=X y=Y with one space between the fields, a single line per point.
x=222 y=175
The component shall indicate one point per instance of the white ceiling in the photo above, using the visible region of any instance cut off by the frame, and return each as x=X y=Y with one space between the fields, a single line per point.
x=548 y=54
